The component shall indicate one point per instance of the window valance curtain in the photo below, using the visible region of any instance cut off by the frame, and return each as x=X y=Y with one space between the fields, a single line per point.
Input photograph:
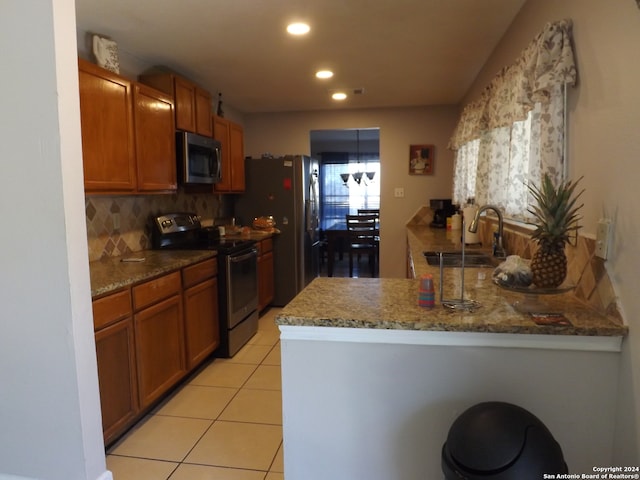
x=544 y=65
x=514 y=132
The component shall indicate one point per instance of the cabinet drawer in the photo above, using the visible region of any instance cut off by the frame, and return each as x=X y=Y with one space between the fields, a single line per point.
x=109 y=309
x=200 y=271
x=155 y=290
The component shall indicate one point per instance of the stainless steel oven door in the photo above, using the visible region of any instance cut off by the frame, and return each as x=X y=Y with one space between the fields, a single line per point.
x=242 y=285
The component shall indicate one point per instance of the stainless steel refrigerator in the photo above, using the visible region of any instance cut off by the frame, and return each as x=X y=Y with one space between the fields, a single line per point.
x=287 y=188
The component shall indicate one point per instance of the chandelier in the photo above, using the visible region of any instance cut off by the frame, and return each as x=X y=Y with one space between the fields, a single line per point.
x=358 y=176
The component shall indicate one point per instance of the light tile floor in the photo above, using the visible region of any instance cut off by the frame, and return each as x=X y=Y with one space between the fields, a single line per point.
x=225 y=423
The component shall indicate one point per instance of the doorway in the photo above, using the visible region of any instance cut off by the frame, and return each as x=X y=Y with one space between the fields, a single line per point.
x=349 y=171
x=349 y=181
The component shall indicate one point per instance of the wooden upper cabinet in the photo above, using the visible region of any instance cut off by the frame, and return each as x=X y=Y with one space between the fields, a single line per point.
x=185 y=98
x=155 y=139
x=106 y=117
x=231 y=137
x=204 y=125
x=221 y=133
x=236 y=150
x=192 y=103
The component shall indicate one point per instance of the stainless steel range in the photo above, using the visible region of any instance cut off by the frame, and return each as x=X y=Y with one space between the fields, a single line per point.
x=237 y=276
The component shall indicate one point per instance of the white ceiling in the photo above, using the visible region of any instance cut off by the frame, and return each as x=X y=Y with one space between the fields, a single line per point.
x=402 y=52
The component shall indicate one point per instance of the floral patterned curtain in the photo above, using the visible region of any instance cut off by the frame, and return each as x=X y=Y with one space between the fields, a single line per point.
x=515 y=132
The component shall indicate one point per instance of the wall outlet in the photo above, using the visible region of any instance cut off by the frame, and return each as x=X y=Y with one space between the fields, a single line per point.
x=398 y=192
x=602 y=238
x=116 y=221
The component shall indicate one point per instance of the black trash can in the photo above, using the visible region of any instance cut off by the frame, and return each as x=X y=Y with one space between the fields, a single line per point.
x=500 y=441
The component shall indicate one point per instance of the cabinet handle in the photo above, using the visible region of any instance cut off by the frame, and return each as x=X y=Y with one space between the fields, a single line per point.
x=242 y=258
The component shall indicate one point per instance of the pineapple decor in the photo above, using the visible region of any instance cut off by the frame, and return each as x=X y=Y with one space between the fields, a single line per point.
x=556 y=216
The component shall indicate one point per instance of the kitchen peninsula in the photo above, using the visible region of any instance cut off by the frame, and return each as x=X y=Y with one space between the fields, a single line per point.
x=371 y=382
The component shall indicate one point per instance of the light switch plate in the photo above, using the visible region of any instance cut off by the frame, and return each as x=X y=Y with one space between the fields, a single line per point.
x=602 y=237
x=398 y=192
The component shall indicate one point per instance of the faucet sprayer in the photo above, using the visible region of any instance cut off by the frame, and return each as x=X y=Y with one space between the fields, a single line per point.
x=473 y=228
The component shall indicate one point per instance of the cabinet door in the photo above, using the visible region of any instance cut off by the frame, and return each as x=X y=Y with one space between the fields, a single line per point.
x=155 y=140
x=265 y=280
x=201 y=321
x=185 y=98
x=236 y=150
x=221 y=133
x=159 y=348
x=115 y=351
x=268 y=278
x=203 y=112
x=106 y=118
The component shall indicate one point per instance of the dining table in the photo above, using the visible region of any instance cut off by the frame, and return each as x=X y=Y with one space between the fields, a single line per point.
x=334 y=233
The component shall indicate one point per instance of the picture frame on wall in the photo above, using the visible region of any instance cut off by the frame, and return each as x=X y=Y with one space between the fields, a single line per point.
x=421 y=159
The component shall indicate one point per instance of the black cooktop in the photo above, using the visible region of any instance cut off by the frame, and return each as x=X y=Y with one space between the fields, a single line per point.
x=183 y=231
x=210 y=236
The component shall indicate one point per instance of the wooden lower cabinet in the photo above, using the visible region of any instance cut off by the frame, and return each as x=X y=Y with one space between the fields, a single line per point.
x=115 y=352
x=116 y=359
x=265 y=273
x=149 y=336
x=201 y=311
x=160 y=348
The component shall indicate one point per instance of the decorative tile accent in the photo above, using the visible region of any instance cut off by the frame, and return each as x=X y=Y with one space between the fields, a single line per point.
x=424 y=216
x=135 y=212
x=584 y=269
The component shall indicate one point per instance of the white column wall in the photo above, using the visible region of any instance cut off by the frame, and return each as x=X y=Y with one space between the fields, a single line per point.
x=49 y=401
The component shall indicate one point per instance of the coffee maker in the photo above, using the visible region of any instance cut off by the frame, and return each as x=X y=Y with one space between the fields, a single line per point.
x=442 y=208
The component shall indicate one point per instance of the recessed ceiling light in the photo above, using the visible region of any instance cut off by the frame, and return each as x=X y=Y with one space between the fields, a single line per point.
x=339 y=96
x=324 y=74
x=298 y=28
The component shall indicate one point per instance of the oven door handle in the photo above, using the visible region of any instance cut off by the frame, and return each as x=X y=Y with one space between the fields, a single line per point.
x=242 y=258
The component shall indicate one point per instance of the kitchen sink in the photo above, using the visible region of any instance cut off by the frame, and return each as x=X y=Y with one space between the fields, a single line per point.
x=454 y=259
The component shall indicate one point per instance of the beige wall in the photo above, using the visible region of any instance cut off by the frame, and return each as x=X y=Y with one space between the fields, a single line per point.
x=604 y=146
x=288 y=133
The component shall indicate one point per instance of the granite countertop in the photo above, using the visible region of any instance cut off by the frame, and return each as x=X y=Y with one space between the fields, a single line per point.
x=111 y=273
x=387 y=303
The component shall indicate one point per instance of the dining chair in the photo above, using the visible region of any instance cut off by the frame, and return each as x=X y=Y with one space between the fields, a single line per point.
x=369 y=211
x=363 y=238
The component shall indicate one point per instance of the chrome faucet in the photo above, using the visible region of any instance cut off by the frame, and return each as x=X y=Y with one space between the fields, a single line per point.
x=473 y=228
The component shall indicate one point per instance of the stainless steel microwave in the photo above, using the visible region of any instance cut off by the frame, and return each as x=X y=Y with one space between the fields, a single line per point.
x=199 y=159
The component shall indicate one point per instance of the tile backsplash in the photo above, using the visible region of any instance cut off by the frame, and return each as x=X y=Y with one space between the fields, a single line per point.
x=584 y=270
x=134 y=213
